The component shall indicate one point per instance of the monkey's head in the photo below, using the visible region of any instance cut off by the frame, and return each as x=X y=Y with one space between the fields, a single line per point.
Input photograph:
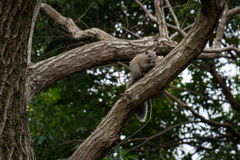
x=151 y=57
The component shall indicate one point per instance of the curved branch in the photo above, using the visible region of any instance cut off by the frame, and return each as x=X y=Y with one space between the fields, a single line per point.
x=159 y=134
x=76 y=33
x=234 y=103
x=47 y=72
x=210 y=122
x=146 y=11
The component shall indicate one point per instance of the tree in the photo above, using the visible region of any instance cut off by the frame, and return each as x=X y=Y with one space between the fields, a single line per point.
x=17 y=90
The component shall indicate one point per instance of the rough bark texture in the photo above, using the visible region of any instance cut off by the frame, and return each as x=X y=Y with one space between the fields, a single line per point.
x=107 y=133
x=15 y=24
x=47 y=72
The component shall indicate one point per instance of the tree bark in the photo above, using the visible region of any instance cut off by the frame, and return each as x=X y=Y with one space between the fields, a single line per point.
x=107 y=133
x=15 y=24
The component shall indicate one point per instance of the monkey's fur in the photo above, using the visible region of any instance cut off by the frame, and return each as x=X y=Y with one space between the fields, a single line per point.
x=139 y=66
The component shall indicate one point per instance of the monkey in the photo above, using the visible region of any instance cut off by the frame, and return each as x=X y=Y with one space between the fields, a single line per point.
x=139 y=66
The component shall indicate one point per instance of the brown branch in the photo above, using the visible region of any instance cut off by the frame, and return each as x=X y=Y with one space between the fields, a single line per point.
x=159 y=134
x=71 y=27
x=84 y=12
x=130 y=32
x=36 y=12
x=177 y=33
x=160 y=16
x=177 y=29
x=172 y=13
x=146 y=11
x=49 y=71
x=161 y=21
x=229 y=96
x=116 y=14
x=195 y=93
x=219 y=34
x=210 y=122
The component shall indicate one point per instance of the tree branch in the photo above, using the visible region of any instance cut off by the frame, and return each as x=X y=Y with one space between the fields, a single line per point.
x=229 y=96
x=47 y=72
x=76 y=33
x=146 y=11
x=210 y=122
x=219 y=35
x=37 y=7
x=172 y=13
x=162 y=26
x=159 y=134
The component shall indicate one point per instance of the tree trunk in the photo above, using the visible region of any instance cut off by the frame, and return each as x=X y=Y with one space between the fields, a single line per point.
x=15 y=24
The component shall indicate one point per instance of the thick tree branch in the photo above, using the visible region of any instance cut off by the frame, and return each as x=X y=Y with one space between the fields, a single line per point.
x=76 y=33
x=47 y=72
x=107 y=133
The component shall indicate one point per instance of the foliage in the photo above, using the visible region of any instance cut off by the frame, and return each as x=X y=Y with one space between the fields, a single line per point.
x=66 y=113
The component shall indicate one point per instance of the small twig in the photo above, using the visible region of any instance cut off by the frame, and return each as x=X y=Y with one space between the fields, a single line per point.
x=84 y=12
x=184 y=20
x=130 y=32
x=172 y=13
x=146 y=11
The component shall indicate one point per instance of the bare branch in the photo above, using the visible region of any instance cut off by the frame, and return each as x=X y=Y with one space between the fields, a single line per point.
x=84 y=12
x=76 y=33
x=217 y=50
x=195 y=93
x=177 y=29
x=177 y=33
x=234 y=103
x=219 y=35
x=210 y=122
x=146 y=11
x=172 y=13
x=159 y=134
x=163 y=31
x=211 y=53
x=37 y=7
x=130 y=32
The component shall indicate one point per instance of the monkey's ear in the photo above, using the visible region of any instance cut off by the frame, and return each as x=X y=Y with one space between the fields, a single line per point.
x=146 y=52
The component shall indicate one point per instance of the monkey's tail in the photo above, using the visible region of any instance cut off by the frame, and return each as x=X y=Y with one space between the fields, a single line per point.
x=142 y=111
